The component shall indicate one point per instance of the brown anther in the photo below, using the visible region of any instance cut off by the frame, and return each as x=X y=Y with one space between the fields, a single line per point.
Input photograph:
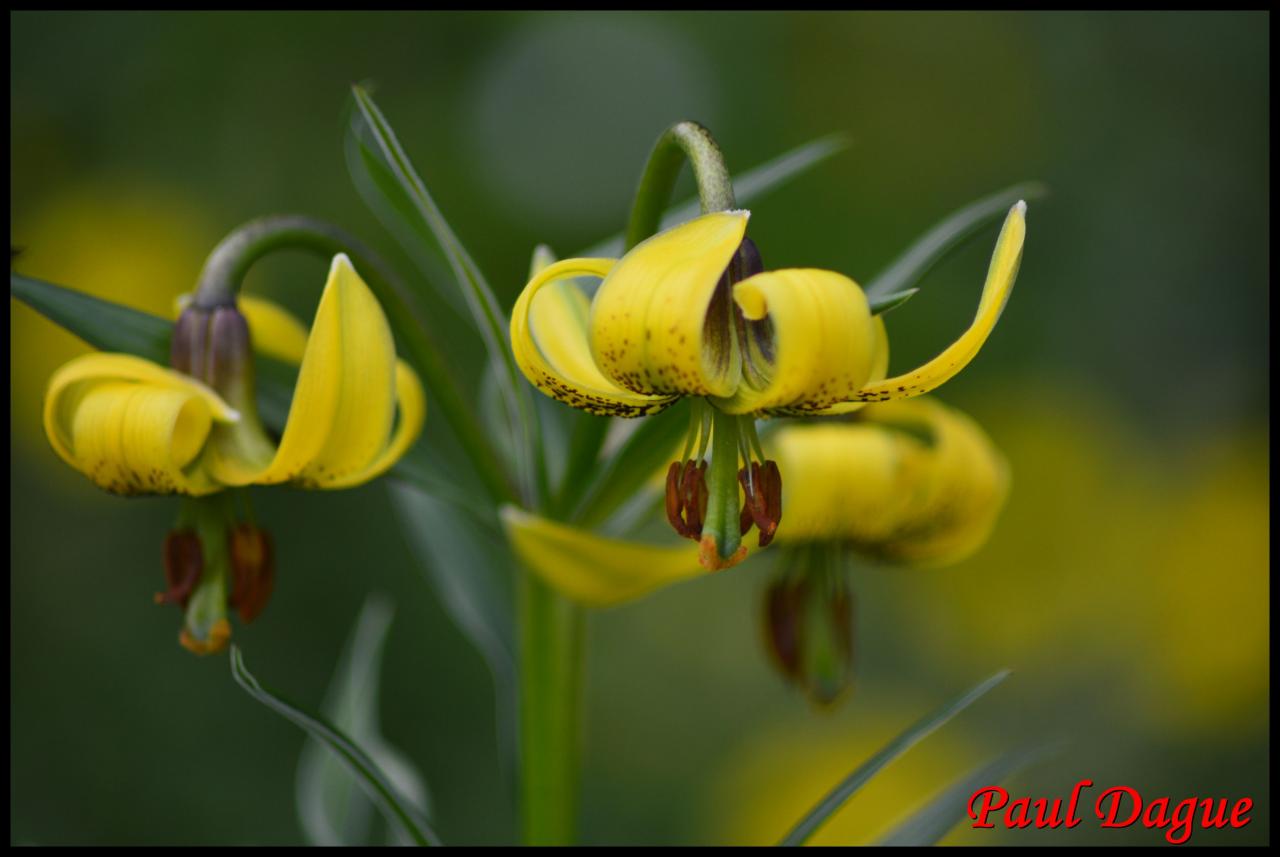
x=252 y=570
x=687 y=496
x=783 y=611
x=674 y=502
x=762 y=500
x=183 y=563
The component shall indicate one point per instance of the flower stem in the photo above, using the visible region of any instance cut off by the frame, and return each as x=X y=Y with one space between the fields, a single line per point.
x=227 y=265
x=551 y=631
x=715 y=189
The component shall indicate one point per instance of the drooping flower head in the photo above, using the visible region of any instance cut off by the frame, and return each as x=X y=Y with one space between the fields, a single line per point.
x=691 y=312
x=135 y=427
x=909 y=483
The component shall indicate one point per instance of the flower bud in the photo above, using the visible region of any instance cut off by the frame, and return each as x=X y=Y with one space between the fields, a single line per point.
x=212 y=344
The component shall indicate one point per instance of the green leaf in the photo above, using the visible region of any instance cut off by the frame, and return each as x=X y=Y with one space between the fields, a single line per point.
x=488 y=315
x=463 y=561
x=879 y=306
x=395 y=808
x=935 y=244
x=394 y=208
x=895 y=748
x=104 y=325
x=654 y=444
x=332 y=807
x=747 y=187
x=929 y=824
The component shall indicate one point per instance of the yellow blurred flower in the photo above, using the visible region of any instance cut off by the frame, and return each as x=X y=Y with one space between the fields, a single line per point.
x=1122 y=561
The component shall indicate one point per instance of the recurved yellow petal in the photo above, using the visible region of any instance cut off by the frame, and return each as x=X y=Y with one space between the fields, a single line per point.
x=412 y=403
x=995 y=293
x=339 y=430
x=132 y=426
x=659 y=324
x=822 y=341
x=594 y=570
x=549 y=341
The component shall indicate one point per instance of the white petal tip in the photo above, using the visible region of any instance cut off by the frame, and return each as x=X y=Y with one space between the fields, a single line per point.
x=1020 y=206
x=340 y=261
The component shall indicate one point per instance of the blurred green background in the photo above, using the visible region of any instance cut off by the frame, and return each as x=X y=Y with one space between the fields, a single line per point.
x=1127 y=583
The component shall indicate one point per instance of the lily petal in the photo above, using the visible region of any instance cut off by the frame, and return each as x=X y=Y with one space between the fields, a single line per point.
x=340 y=419
x=593 y=569
x=824 y=341
x=550 y=345
x=995 y=294
x=132 y=426
x=956 y=504
x=660 y=323
x=926 y=495
x=412 y=402
x=274 y=330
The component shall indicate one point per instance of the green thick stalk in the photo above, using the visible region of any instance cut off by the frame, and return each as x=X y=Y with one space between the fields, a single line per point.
x=227 y=265
x=551 y=631
x=552 y=626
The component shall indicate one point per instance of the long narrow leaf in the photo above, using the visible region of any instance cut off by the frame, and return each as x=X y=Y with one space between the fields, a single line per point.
x=935 y=819
x=929 y=249
x=895 y=748
x=489 y=317
x=394 y=208
x=332 y=807
x=747 y=187
x=394 y=807
x=105 y=325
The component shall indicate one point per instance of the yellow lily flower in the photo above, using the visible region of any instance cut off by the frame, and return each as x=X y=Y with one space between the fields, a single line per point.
x=691 y=312
x=134 y=427
x=911 y=482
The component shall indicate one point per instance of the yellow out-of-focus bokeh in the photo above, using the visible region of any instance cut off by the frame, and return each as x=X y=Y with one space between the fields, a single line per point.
x=130 y=241
x=1122 y=557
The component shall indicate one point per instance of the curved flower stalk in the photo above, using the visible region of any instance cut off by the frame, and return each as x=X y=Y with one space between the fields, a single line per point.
x=691 y=312
x=135 y=427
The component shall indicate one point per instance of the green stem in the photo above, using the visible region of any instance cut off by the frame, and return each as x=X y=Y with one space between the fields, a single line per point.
x=715 y=189
x=227 y=265
x=551 y=626
x=551 y=631
x=721 y=520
